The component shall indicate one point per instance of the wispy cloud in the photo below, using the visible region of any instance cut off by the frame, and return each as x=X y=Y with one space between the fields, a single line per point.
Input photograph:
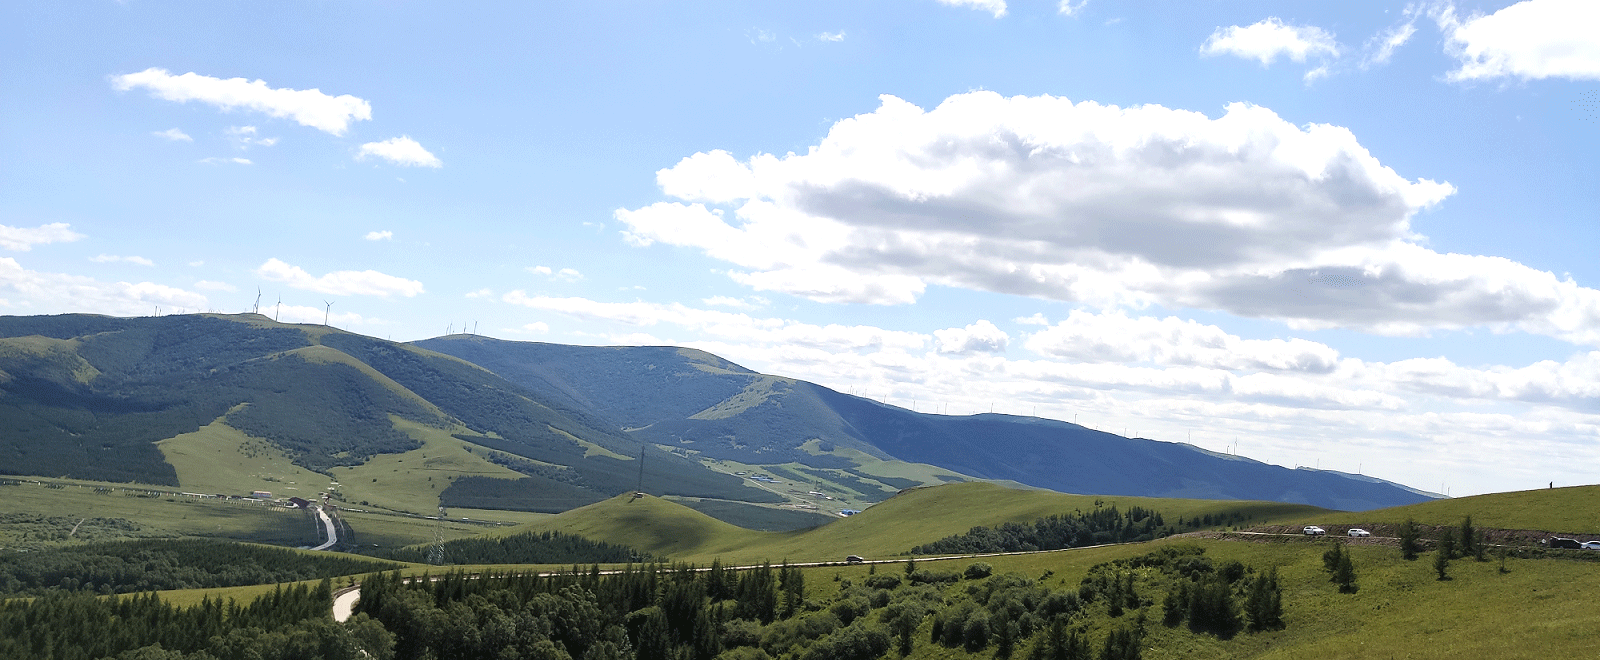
x=384 y=235
x=996 y=7
x=210 y=285
x=218 y=160
x=173 y=134
x=22 y=239
x=343 y=282
x=1270 y=39
x=112 y=259
x=831 y=36
x=308 y=107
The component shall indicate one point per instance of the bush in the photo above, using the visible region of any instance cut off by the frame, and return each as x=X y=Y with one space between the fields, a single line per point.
x=978 y=570
x=925 y=576
x=882 y=581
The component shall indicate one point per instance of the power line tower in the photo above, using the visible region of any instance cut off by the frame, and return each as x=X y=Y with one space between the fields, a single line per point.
x=436 y=553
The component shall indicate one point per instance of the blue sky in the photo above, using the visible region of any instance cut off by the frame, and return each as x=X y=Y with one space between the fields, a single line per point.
x=1357 y=237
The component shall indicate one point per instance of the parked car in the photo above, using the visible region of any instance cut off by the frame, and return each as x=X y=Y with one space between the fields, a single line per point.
x=1356 y=531
x=1561 y=542
x=1313 y=530
x=854 y=559
x=1590 y=545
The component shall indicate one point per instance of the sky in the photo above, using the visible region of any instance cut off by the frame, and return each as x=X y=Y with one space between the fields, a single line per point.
x=1352 y=236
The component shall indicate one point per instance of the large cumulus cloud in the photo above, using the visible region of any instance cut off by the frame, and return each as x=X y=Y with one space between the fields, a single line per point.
x=1040 y=196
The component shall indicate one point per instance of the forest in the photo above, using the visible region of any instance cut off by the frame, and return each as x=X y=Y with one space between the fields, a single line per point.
x=121 y=567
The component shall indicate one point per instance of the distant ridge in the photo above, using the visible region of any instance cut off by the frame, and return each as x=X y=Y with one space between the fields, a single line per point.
x=725 y=411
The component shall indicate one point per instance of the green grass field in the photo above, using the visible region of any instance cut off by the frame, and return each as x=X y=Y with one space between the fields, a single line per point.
x=218 y=458
x=118 y=515
x=1573 y=510
x=412 y=481
x=890 y=528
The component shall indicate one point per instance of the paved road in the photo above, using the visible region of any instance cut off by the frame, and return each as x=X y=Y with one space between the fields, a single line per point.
x=333 y=537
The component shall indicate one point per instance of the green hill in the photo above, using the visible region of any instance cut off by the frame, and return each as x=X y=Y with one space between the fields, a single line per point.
x=90 y=397
x=915 y=517
x=1574 y=509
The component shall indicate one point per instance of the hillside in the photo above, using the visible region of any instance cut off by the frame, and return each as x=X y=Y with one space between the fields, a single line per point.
x=918 y=516
x=1570 y=510
x=89 y=397
x=725 y=412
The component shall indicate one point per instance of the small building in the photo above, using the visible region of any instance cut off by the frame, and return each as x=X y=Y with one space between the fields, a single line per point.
x=261 y=494
x=299 y=503
x=849 y=512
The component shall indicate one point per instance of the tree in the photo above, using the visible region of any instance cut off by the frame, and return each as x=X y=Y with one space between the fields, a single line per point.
x=1409 y=547
x=1441 y=563
x=1264 y=604
x=1468 y=538
x=1447 y=544
x=1345 y=574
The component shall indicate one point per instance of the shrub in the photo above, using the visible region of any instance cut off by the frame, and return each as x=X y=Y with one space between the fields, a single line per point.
x=978 y=570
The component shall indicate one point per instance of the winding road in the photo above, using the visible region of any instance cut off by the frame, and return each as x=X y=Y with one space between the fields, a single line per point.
x=327 y=523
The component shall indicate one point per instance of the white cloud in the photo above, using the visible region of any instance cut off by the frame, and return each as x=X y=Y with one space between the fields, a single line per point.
x=22 y=239
x=1530 y=40
x=979 y=337
x=831 y=36
x=215 y=286
x=1070 y=7
x=1380 y=48
x=564 y=275
x=1114 y=337
x=996 y=7
x=1270 y=38
x=1037 y=319
x=173 y=134
x=384 y=235
x=481 y=293
x=401 y=151
x=53 y=293
x=308 y=107
x=754 y=302
x=111 y=259
x=197 y=264
x=726 y=325
x=215 y=160
x=1102 y=205
x=339 y=283
x=244 y=137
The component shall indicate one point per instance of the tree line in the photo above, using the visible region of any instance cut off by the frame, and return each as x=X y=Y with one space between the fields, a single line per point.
x=120 y=567
x=1055 y=532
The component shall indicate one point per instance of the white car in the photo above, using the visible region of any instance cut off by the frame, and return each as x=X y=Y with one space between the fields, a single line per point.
x=1590 y=545
x=1313 y=530
x=1358 y=532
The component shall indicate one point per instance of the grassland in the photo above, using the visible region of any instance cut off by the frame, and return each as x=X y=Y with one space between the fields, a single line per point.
x=114 y=511
x=1573 y=509
x=890 y=528
x=218 y=458
x=412 y=481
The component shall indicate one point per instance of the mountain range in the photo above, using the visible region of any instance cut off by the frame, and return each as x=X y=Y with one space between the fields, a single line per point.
x=88 y=397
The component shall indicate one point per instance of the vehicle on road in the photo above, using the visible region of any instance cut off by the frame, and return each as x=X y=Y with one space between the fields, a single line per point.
x=1560 y=542
x=854 y=559
x=1590 y=545
x=1313 y=530
x=1358 y=532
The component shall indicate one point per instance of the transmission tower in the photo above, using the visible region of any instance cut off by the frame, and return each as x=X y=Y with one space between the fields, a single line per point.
x=436 y=553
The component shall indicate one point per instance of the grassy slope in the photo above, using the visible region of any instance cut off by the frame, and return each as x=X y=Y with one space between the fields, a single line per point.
x=1573 y=509
x=413 y=480
x=221 y=459
x=890 y=528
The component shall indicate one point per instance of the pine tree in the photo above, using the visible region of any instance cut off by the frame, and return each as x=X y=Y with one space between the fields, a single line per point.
x=1409 y=547
x=1441 y=563
x=1468 y=538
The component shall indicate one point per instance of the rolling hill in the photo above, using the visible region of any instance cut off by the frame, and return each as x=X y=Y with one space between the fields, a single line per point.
x=699 y=402
x=88 y=397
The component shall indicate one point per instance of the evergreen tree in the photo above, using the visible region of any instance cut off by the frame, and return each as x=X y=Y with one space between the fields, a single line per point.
x=1441 y=563
x=1447 y=544
x=1345 y=574
x=1264 y=604
x=1468 y=539
x=1409 y=546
